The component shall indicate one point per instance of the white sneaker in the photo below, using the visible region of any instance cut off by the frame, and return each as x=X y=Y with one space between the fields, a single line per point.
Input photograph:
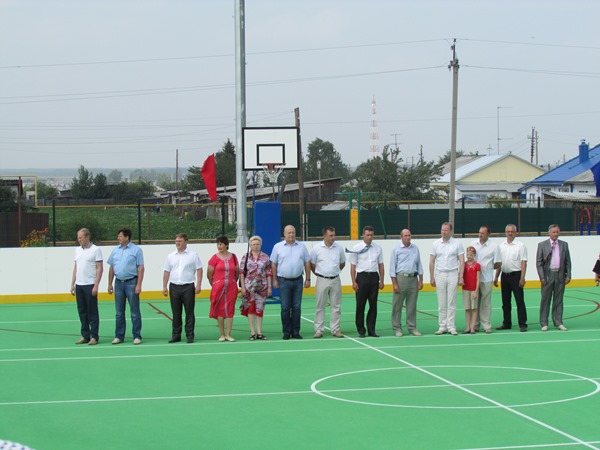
x=398 y=333
x=440 y=331
x=545 y=328
x=137 y=341
x=561 y=327
x=117 y=341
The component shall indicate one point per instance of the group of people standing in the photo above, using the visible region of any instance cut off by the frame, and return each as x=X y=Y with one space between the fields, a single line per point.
x=289 y=269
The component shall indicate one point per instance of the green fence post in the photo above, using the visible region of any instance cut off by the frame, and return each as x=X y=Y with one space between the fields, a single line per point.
x=305 y=220
x=539 y=216
x=463 y=213
x=54 y=223
x=139 y=221
x=222 y=215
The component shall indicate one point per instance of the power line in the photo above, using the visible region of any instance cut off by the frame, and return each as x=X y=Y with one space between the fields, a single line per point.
x=223 y=55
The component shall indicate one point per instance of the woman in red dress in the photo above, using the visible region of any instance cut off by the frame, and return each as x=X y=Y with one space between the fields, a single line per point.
x=222 y=274
x=255 y=276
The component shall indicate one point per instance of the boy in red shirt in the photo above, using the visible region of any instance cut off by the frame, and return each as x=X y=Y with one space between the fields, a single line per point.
x=470 y=290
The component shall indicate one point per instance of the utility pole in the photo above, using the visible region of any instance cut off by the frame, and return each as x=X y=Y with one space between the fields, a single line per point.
x=395 y=139
x=301 y=176
x=454 y=67
x=534 y=145
x=532 y=137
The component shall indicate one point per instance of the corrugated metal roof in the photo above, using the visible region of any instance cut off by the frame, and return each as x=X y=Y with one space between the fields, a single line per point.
x=475 y=166
x=572 y=168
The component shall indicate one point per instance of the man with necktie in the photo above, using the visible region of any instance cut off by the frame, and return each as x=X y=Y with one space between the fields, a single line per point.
x=367 y=272
x=553 y=264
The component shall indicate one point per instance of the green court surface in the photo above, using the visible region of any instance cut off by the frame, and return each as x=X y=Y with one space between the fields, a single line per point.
x=505 y=390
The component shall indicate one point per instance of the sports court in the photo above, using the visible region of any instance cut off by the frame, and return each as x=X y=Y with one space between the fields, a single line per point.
x=506 y=390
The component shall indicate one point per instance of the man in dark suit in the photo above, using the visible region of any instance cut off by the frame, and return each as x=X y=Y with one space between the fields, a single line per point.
x=553 y=264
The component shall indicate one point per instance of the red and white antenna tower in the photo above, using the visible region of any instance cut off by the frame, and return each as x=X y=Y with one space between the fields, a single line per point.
x=374 y=147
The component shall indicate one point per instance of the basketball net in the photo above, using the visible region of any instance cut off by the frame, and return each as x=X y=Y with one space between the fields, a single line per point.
x=272 y=171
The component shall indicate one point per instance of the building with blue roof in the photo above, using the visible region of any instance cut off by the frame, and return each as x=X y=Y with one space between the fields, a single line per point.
x=579 y=177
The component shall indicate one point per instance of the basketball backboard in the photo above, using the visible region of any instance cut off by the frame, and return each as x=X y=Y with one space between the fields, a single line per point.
x=272 y=145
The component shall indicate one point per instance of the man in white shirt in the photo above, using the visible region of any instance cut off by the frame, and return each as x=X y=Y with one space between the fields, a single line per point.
x=327 y=260
x=182 y=269
x=488 y=257
x=446 y=265
x=513 y=254
x=84 y=286
x=367 y=272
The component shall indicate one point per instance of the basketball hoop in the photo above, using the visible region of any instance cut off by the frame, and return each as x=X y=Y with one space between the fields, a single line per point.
x=272 y=171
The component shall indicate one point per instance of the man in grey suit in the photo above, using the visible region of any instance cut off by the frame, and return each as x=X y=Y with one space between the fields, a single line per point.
x=553 y=264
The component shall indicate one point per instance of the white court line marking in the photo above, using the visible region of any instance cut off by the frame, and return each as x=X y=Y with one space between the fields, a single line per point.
x=467 y=391
x=563 y=444
x=392 y=405
x=209 y=396
x=320 y=342
x=137 y=399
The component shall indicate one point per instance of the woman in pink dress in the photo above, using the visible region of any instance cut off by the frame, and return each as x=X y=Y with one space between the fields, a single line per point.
x=222 y=274
x=255 y=276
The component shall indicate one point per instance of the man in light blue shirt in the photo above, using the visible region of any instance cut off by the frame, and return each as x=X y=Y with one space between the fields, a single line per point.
x=406 y=271
x=126 y=265
x=289 y=259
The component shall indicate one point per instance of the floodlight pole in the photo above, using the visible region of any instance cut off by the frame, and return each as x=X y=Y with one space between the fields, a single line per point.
x=240 y=122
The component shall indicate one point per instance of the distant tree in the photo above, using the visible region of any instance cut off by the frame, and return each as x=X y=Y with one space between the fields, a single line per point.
x=387 y=176
x=44 y=191
x=332 y=165
x=226 y=170
x=225 y=162
x=114 y=176
x=131 y=191
x=166 y=181
x=82 y=186
x=100 y=187
x=8 y=198
x=143 y=174
x=193 y=180
x=445 y=158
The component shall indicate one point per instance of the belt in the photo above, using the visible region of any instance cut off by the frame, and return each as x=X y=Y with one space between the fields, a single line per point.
x=368 y=273
x=327 y=278
x=554 y=270
x=510 y=273
x=406 y=274
x=291 y=279
x=128 y=279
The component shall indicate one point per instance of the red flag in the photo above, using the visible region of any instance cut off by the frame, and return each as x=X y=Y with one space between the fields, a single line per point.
x=209 y=174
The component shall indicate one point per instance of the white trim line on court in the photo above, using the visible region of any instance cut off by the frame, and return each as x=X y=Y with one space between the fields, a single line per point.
x=468 y=391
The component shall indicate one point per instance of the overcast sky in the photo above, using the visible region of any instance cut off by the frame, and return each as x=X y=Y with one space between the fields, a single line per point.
x=123 y=84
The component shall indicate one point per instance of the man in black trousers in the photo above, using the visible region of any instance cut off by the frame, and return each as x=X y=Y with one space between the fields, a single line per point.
x=367 y=271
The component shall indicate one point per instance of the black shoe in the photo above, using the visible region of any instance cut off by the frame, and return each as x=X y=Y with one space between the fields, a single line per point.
x=361 y=335
x=373 y=335
x=175 y=339
x=503 y=327
x=523 y=329
x=297 y=336
x=190 y=340
x=286 y=337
